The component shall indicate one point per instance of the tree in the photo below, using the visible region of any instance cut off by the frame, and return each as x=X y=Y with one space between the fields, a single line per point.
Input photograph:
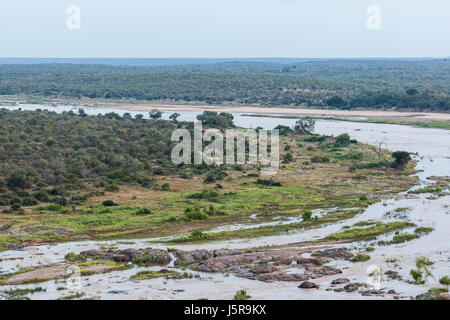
x=81 y=112
x=216 y=120
x=305 y=126
x=336 y=101
x=412 y=91
x=283 y=130
x=17 y=180
x=401 y=159
x=155 y=114
x=288 y=157
x=174 y=116
x=342 y=140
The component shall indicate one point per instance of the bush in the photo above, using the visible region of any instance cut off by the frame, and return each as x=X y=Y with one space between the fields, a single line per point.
x=210 y=178
x=320 y=159
x=42 y=196
x=28 y=202
x=206 y=194
x=360 y=258
x=109 y=203
x=143 y=212
x=165 y=186
x=195 y=213
x=363 y=198
x=342 y=140
x=241 y=295
x=15 y=207
x=270 y=182
x=315 y=138
x=112 y=188
x=401 y=159
x=197 y=234
x=288 y=157
x=445 y=280
x=60 y=200
x=71 y=256
x=17 y=179
x=306 y=216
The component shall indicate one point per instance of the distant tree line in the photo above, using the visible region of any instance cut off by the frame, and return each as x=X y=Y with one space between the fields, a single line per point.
x=347 y=87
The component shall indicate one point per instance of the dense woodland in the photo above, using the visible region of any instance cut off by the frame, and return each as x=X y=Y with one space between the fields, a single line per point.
x=346 y=84
x=65 y=158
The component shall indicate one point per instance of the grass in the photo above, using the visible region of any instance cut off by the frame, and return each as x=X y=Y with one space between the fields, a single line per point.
x=429 y=189
x=20 y=293
x=369 y=232
x=445 y=280
x=73 y=297
x=302 y=188
x=198 y=236
x=360 y=258
x=6 y=276
x=421 y=273
x=150 y=274
x=404 y=237
x=241 y=295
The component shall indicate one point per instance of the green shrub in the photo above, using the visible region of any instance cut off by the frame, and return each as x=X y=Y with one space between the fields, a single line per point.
x=445 y=280
x=342 y=140
x=165 y=186
x=143 y=212
x=360 y=258
x=241 y=295
x=112 y=188
x=109 y=203
x=306 y=216
x=320 y=159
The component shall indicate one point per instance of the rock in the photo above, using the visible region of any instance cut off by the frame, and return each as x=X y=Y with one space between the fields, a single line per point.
x=201 y=255
x=62 y=231
x=120 y=258
x=393 y=275
x=340 y=281
x=326 y=271
x=336 y=253
x=16 y=247
x=263 y=268
x=312 y=261
x=92 y=253
x=372 y=292
x=351 y=287
x=292 y=277
x=267 y=277
x=5 y=227
x=148 y=256
x=213 y=265
x=392 y=292
x=308 y=285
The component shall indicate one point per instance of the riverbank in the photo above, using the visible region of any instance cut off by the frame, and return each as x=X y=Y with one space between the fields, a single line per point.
x=147 y=106
x=279 y=278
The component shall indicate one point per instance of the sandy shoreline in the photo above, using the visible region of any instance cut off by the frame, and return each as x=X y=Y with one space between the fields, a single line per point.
x=371 y=114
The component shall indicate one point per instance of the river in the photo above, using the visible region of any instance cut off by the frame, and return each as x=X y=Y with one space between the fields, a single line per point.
x=432 y=147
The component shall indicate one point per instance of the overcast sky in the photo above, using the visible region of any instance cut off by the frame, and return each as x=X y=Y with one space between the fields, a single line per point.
x=225 y=28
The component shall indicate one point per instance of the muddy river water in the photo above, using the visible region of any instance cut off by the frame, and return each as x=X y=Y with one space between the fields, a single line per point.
x=432 y=147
